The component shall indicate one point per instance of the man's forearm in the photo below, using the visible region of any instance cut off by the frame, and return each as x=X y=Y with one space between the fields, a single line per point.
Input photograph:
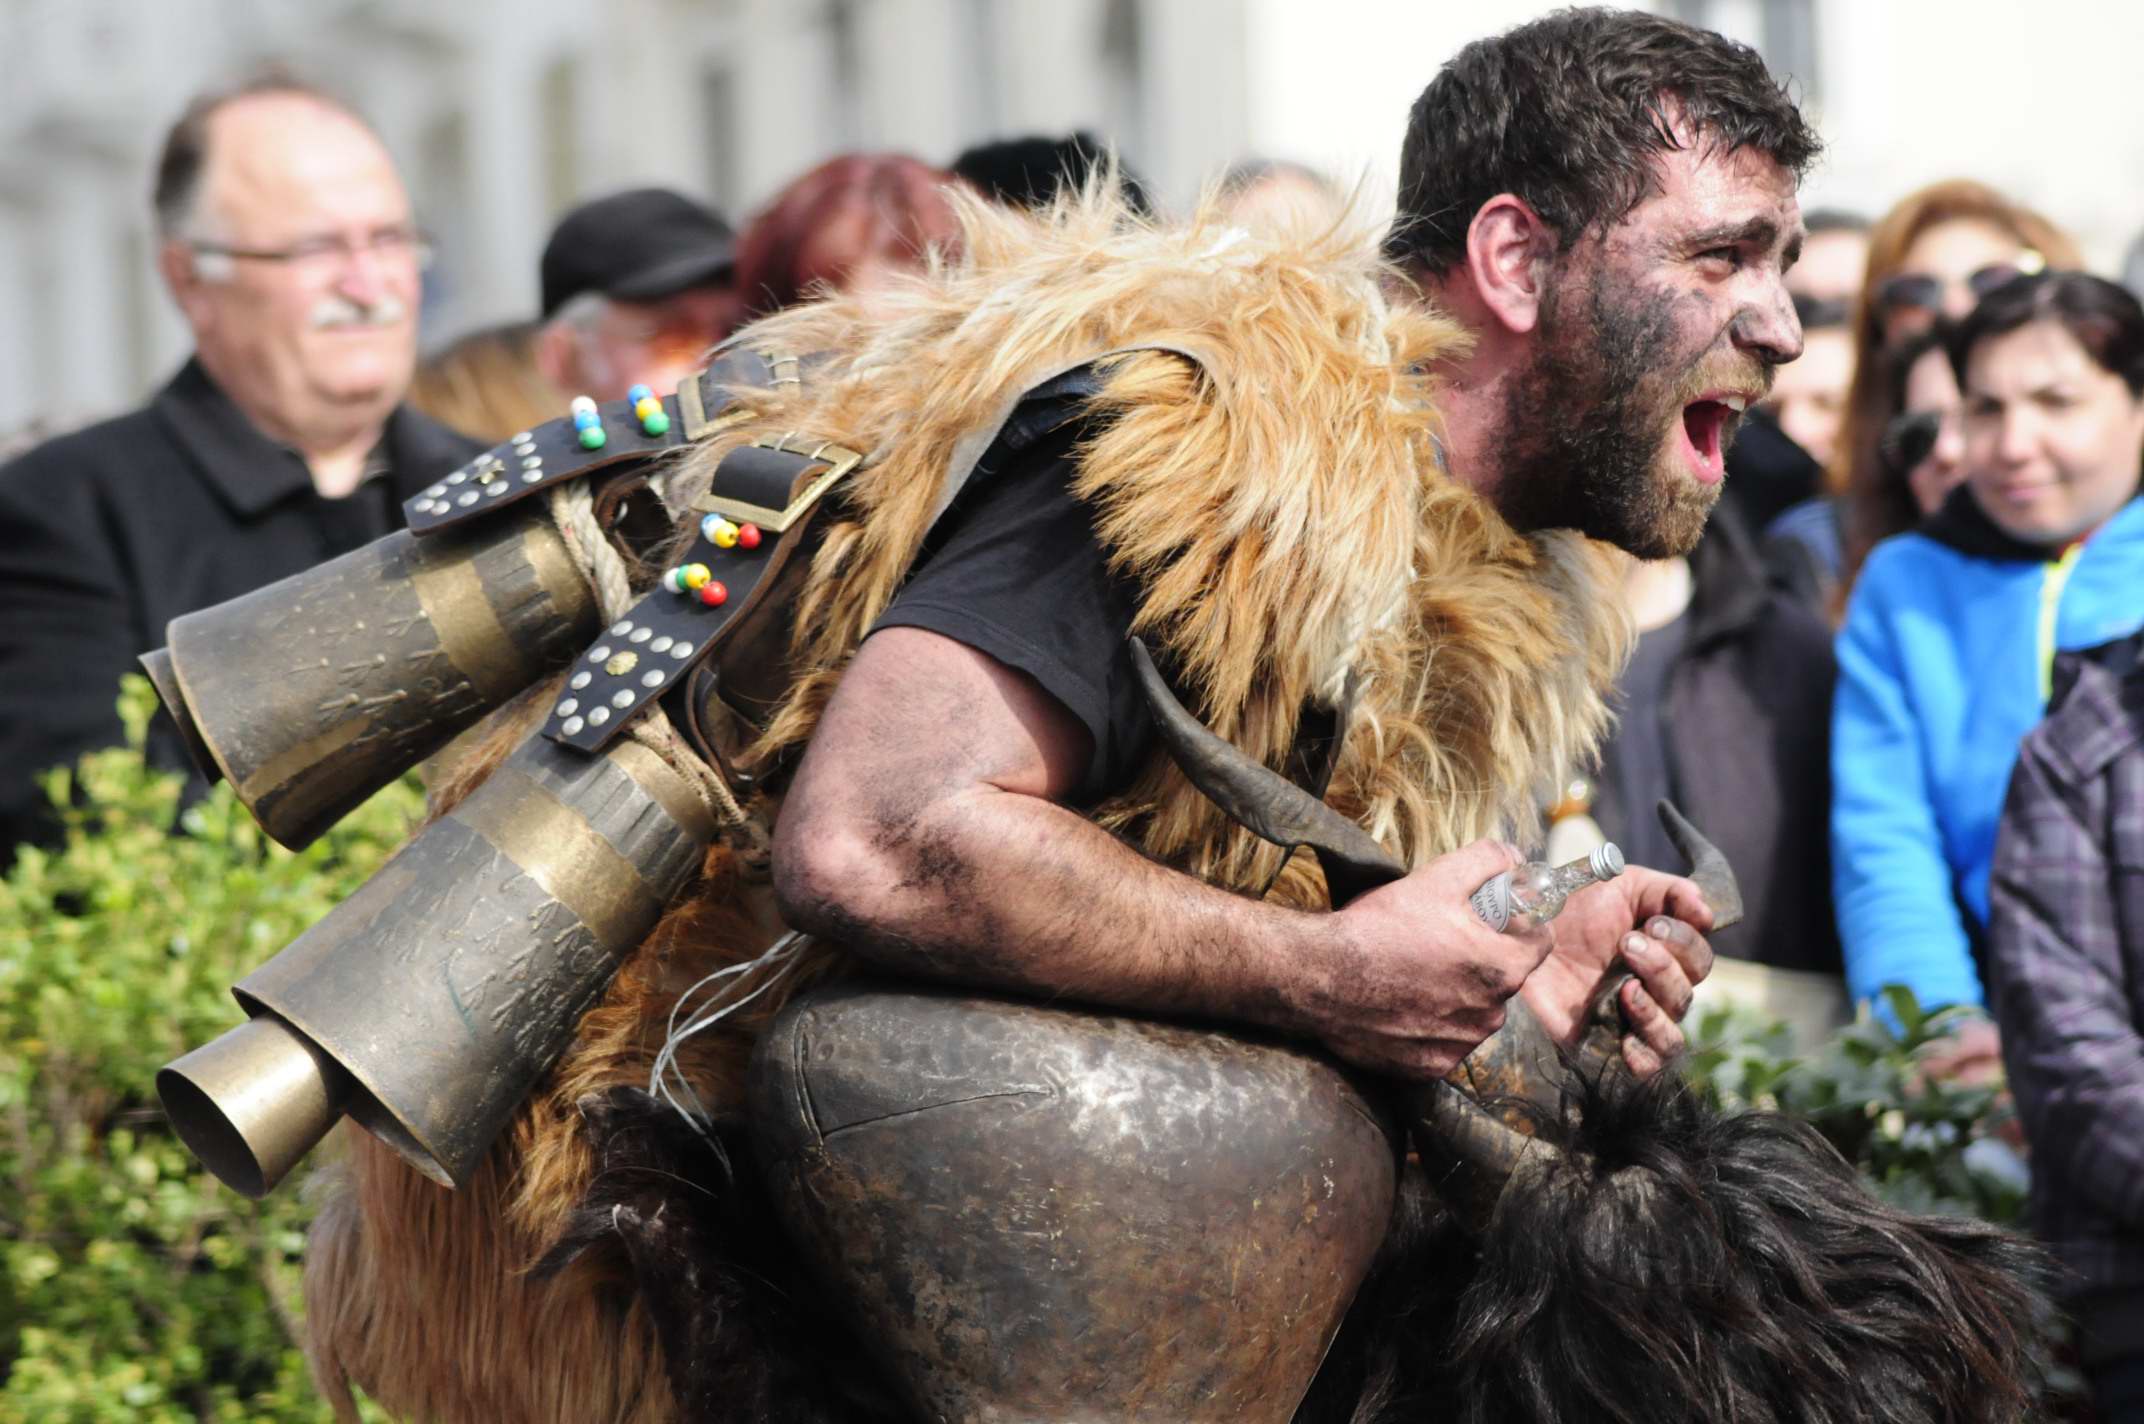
x=1000 y=888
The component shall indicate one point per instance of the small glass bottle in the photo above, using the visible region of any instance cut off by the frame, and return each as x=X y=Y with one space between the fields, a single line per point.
x=1532 y=894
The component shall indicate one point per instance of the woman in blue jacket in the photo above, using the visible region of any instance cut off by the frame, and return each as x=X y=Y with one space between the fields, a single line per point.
x=1951 y=633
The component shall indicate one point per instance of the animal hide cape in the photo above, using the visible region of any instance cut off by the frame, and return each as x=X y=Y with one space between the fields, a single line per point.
x=1281 y=503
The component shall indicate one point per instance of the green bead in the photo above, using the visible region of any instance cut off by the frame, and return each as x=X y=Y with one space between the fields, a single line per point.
x=592 y=437
x=655 y=423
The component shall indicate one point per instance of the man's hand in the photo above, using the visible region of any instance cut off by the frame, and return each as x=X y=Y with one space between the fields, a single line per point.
x=1651 y=922
x=1414 y=979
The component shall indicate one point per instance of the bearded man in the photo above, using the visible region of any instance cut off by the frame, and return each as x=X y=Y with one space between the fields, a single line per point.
x=1322 y=502
x=287 y=242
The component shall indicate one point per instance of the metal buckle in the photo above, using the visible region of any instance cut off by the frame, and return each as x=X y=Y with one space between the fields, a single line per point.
x=839 y=461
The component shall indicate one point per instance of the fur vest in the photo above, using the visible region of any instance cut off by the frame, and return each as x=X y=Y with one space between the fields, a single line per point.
x=1272 y=483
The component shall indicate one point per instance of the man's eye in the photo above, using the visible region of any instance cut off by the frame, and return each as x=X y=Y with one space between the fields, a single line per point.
x=1724 y=258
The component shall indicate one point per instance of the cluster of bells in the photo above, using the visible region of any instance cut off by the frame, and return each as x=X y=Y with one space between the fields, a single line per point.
x=588 y=422
x=699 y=581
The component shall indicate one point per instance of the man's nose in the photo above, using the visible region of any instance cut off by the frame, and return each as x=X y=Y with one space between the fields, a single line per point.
x=361 y=276
x=1769 y=327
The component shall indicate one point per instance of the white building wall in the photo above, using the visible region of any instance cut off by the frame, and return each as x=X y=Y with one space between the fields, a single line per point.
x=503 y=111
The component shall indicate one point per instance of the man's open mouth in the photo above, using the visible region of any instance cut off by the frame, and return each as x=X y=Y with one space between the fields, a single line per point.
x=1706 y=427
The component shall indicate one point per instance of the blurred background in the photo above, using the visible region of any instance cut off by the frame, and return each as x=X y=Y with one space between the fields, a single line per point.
x=503 y=113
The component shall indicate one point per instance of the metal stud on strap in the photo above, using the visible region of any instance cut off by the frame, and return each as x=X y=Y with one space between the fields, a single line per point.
x=536 y=459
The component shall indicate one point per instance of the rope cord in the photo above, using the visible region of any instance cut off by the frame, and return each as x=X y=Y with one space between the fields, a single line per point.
x=573 y=510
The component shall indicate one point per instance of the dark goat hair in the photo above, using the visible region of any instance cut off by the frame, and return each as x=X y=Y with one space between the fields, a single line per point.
x=1678 y=1265
x=745 y=1335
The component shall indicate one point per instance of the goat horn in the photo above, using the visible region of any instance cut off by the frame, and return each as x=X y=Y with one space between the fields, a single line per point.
x=1260 y=799
x=1715 y=878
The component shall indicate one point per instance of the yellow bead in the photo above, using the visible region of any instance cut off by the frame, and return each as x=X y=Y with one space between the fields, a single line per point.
x=697 y=575
x=725 y=535
x=646 y=407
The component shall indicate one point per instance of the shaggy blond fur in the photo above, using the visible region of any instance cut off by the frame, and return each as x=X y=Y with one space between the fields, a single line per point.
x=1280 y=501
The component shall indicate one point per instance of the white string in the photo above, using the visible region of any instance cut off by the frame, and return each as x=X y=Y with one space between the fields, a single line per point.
x=781 y=955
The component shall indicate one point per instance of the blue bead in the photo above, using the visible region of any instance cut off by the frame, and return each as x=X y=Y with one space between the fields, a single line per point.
x=636 y=394
x=582 y=419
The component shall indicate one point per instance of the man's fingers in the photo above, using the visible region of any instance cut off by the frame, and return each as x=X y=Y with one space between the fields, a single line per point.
x=1654 y=1037
x=1686 y=902
x=1683 y=940
x=1642 y=1060
x=1667 y=985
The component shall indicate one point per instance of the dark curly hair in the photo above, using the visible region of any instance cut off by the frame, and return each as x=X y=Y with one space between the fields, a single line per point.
x=1567 y=112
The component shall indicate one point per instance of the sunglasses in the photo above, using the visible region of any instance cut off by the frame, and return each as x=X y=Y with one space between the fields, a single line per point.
x=1919 y=291
x=1909 y=439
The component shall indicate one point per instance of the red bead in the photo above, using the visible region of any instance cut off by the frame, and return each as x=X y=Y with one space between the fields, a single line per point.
x=714 y=595
x=748 y=536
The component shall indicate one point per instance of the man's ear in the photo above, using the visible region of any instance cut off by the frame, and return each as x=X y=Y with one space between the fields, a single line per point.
x=176 y=264
x=1508 y=251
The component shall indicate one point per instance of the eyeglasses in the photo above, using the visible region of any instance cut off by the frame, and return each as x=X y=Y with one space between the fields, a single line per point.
x=1921 y=291
x=388 y=244
x=1909 y=439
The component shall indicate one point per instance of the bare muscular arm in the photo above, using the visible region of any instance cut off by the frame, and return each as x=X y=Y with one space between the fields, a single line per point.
x=921 y=830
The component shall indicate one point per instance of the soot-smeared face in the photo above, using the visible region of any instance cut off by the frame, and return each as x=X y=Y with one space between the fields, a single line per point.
x=1652 y=339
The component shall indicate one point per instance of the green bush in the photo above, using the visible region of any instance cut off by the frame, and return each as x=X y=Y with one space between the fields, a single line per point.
x=1921 y=1144
x=135 y=1287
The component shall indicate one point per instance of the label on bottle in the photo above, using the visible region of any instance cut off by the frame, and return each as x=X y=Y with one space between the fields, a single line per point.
x=1493 y=901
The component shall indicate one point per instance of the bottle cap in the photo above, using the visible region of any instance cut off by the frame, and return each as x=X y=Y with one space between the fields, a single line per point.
x=1606 y=861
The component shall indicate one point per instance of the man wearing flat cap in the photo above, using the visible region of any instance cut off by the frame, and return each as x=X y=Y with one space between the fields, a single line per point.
x=636 y=287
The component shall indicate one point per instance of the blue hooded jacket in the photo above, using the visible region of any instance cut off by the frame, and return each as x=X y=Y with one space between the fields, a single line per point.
x=1944 y=662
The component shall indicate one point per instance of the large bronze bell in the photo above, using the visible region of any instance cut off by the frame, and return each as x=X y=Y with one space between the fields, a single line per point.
x=313 y=693
x=427 y=1005
x=1045 y=1212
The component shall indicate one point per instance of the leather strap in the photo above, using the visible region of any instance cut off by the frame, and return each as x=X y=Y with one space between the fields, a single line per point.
x=534 y=460
x=655 y=644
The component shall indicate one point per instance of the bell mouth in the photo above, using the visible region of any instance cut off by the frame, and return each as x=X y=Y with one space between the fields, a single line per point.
x=252 y=1103
x=164 y=677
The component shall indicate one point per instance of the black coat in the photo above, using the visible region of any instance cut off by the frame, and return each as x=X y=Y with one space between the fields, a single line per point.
x=108 y=534
x=1748 y=731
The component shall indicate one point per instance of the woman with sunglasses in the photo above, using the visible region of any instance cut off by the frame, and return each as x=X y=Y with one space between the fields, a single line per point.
x=1945 y=656
x=1931 y=256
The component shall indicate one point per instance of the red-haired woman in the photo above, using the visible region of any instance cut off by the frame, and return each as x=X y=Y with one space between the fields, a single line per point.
x=844 y=226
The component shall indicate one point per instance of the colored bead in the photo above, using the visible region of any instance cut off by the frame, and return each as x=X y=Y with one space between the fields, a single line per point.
x=581 y=403
x=645 y=407
x=714 y=595
x=698 y=575
x=724 y=535
x=748 y=536
x=593 y=438
x=638 y=393
x=656 y=424
x=674 y=580
x=583 y=419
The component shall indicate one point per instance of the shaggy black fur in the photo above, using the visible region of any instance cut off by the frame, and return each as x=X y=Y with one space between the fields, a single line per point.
x=1700 y=1268
x=745 y=1336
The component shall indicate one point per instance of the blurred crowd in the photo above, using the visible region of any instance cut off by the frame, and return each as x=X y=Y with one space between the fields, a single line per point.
x=1930 y=555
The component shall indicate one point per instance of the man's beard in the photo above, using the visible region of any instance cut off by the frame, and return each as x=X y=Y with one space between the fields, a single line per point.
x=1591 y=428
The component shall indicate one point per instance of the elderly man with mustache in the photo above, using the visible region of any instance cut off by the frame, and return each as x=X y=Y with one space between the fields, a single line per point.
x=287 y=241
